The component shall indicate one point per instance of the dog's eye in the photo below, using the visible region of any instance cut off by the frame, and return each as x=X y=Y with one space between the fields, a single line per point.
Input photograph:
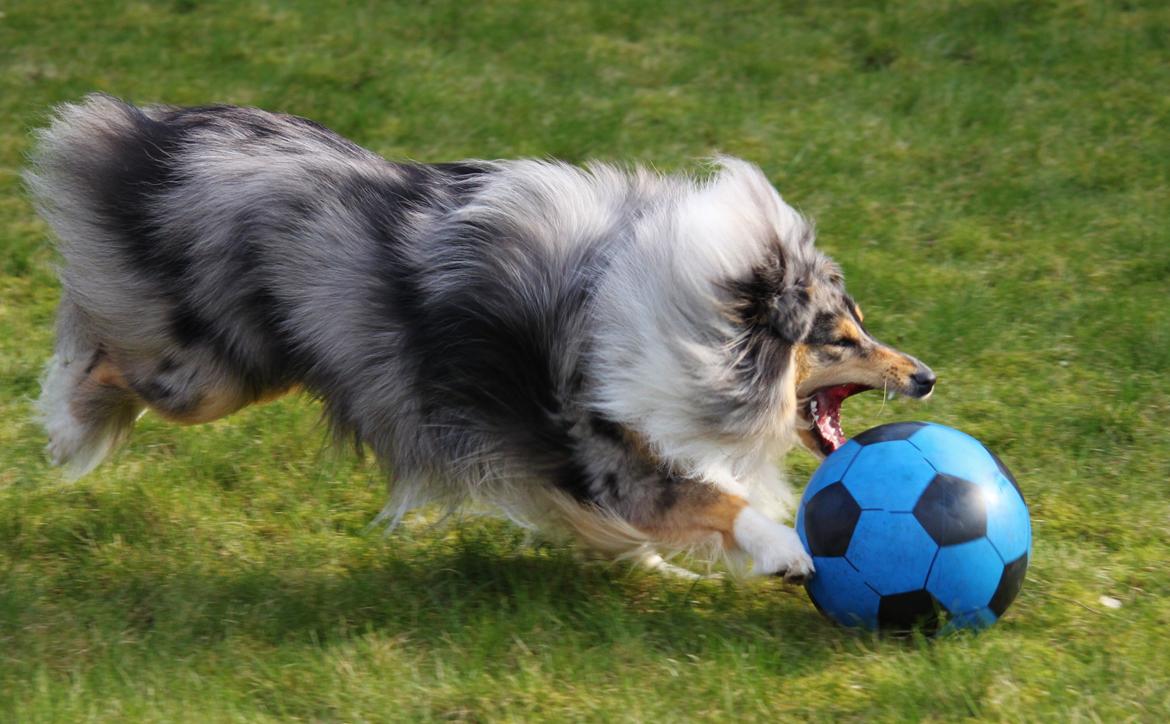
x=844 y=342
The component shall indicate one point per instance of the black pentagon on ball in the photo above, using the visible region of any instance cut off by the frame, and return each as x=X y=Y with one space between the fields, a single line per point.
x=903 y=612
x=1009 y=585
x=888 y=432
x=952 y=510
x=829 y=519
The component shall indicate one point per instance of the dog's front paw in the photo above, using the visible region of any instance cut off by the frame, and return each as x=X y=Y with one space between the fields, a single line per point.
x=798 y=570
x=775 y=549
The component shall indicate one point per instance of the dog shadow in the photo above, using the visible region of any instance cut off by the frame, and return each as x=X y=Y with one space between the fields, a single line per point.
x=469 y=592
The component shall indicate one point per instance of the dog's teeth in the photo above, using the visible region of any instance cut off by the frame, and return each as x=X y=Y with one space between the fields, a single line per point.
x=813 y=406
x=891 y=395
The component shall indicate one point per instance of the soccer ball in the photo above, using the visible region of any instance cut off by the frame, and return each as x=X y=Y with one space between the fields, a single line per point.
x=914 y=524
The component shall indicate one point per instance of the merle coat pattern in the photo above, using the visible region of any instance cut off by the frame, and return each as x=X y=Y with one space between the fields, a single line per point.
x=614 y=351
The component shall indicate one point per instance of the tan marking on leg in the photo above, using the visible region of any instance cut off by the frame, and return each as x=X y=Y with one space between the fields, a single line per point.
x=218 y=402
x=103 y=378
x=214 y=402
x=703 y=510
x=275 y=394
x=105 y=372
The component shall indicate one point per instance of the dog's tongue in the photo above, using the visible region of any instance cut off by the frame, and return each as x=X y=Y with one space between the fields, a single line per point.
x=827 y=412
x=828 y=419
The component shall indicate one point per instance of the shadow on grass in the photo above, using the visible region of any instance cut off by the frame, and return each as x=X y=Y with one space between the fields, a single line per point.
x=470 y=598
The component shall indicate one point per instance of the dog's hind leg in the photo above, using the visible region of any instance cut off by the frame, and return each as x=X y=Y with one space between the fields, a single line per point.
x=92 y=395
x=86 y=410
x=191 y=389
x=93 y=392
x=654 y=561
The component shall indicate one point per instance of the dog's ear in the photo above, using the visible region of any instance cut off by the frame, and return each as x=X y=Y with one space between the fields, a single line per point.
x=790 y=313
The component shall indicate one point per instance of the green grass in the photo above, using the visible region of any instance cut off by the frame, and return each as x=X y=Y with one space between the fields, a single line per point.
x=993 y=176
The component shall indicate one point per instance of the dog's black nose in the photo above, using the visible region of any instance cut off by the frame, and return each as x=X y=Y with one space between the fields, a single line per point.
x=923 y=379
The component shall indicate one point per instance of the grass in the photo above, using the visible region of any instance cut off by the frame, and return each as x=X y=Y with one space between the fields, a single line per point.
x=993 y=176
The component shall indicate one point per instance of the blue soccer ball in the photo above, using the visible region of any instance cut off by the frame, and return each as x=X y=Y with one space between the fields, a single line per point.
x=914 y=524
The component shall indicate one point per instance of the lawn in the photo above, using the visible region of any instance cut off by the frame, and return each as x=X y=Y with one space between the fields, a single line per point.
x=994 y=178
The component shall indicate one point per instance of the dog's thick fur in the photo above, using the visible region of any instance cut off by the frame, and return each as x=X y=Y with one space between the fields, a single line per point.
x=621 y=352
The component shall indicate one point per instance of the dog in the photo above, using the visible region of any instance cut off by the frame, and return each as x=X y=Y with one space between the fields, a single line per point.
x=607 y=350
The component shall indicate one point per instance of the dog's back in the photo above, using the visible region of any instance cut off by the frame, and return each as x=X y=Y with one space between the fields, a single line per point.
x=217 y=256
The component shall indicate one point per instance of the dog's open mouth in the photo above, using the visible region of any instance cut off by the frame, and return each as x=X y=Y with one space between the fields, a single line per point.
x=822 y=410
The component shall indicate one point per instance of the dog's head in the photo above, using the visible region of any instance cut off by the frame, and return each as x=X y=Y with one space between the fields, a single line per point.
x=837 y=358
x=798 y=299
x=722 y=330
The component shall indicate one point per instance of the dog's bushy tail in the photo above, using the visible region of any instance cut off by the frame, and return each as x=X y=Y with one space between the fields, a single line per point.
x=69 y=169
